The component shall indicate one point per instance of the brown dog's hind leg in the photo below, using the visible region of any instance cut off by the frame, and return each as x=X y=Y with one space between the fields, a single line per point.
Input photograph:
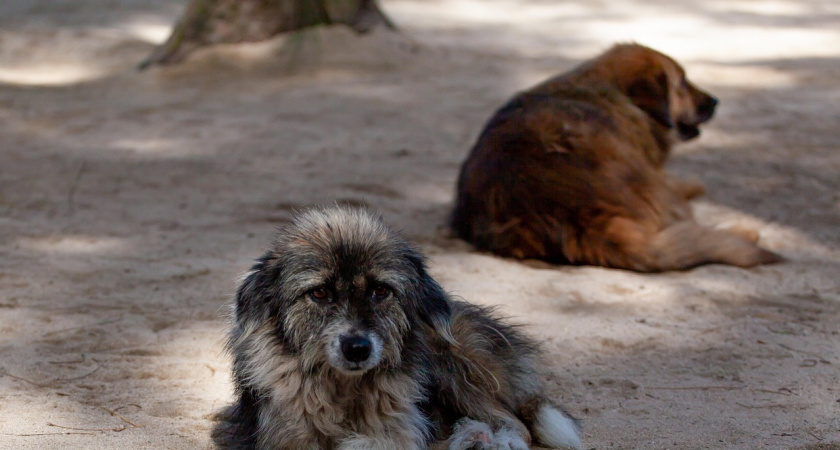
x=683 y=245
x=746 y=233
x=687 y=244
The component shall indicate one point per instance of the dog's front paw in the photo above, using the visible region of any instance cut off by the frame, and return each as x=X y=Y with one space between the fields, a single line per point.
x=470 y=435
x=388 y=442
x=508 y=439
x=474 y=435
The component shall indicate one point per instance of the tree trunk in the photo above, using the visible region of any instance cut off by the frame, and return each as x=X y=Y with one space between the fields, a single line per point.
x=208 y=22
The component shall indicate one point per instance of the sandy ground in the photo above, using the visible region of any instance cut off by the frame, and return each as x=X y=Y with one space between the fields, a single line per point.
x=131 y=202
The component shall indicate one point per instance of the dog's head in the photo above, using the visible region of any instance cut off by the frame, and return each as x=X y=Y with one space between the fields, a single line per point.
x=340 y=290
x=657 y=84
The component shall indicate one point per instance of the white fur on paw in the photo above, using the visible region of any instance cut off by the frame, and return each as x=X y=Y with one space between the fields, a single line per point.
x=361 y=442
x=468 y=433
x=554 y=429
x=508 y=439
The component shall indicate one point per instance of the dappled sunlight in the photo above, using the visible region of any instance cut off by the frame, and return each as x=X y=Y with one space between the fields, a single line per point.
x=482 y=12
x=742 y=76
x=152 y=33
x=559 y=291
x=765 y=7
x=60 y=51
x=431 y=193
x=582 y=29
x=75 y=245
x=60 y=55
x=678 y=36
x=49 y=74
x=48 y=415
x=393 y=94
x=158 y=148
x=206 y=377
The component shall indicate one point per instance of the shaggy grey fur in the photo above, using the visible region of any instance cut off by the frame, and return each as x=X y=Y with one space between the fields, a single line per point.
x=342 y=340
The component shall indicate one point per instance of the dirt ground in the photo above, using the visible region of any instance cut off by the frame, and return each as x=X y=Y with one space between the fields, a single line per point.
x=131 y=202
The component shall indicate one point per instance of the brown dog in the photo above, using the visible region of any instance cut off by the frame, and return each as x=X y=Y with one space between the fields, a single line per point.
x=570 y=171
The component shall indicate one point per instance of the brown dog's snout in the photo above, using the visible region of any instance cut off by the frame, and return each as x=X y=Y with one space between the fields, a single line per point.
x=356 y=348
x=706 y=108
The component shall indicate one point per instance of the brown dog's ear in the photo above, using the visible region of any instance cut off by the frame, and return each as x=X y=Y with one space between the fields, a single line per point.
x=652 y=95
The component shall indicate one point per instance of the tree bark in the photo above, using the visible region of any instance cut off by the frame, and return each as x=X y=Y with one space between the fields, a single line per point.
x=208 y=22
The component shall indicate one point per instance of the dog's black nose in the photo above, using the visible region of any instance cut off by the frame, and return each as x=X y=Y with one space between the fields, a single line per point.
x=356 y=348
x=707 y=108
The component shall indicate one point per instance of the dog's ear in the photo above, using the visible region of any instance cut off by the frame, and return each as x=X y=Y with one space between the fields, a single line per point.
x=432 y=305
x=434 y=308
x=256 y=292
x=652 y=94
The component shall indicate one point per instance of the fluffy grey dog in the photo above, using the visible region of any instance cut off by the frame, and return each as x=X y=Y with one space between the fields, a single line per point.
x=342 y=340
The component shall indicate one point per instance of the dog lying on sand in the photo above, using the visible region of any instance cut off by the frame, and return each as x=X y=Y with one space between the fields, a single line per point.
x=342 y=340
x=571 y=172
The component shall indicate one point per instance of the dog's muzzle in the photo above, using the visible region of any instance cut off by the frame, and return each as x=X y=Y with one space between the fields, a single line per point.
x=706 y=109
x=354 y=352
x=356 y=349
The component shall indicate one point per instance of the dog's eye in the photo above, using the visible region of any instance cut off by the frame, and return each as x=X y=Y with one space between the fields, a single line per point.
x=380 y=292
x=320 y=295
